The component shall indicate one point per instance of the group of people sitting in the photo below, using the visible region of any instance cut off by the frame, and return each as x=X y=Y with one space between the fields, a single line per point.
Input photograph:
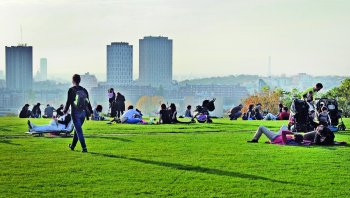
x=254 y=113
x=167 y=115
x=36 y=111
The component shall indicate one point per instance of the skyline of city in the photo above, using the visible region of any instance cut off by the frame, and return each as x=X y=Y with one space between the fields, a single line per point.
x=230 y=38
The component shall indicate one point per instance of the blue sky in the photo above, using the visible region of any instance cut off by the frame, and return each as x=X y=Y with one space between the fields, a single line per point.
x=211 y=38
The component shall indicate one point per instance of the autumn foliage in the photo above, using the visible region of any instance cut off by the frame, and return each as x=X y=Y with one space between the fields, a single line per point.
x=269 y=100
x=149 y=104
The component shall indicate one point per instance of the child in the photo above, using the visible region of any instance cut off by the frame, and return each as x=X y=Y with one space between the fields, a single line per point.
x=96 y=113
x=323 y=117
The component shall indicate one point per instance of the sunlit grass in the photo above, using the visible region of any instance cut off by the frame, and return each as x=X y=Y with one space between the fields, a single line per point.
x=196 y=160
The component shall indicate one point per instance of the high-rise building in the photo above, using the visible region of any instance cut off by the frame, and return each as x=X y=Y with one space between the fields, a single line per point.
x=119 y=64
x=19 y=67
x=156 y=61
x=43 y=69
x=88 y=81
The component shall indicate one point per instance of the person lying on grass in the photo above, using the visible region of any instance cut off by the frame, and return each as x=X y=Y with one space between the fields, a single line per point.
x=55 y=125
x=321 y=136
x=283 y=136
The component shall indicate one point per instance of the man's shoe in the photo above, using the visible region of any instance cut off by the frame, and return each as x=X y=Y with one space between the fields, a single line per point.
x=252 y=141
x=29 y=125
x=70 y=146
x=84 y=151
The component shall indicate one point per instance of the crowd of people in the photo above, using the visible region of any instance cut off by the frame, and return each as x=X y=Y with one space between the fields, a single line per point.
x=255 y=112
x=80 y=108
x=36 y=111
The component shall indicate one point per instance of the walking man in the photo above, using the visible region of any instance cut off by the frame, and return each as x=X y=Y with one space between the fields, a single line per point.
x=78 y=100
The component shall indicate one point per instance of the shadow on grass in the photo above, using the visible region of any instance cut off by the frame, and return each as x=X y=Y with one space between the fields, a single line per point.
x=331 y=147
x=9 y=142
x=197 y=169
x=342 y=133
x=109 y=138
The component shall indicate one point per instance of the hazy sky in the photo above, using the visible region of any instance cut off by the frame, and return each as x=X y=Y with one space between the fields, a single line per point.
x=210 y=37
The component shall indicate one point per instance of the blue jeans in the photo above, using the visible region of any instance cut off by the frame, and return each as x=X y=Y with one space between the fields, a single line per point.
x=235 y=115
x=78 y=120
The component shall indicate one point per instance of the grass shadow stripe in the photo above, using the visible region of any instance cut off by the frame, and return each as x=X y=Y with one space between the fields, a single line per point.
x=197 y=169
x=9 y=142
x=109 y=138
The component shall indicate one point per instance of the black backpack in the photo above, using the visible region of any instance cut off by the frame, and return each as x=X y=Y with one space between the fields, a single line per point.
x=81 y=100
x=209 y=104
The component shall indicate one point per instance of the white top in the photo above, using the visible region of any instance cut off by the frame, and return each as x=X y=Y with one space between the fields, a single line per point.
x=130 y=113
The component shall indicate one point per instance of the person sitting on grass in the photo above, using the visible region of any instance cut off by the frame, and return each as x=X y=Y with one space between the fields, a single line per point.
x=164 y=115
x=131 y=116
x=188 y=113
x=25 y=112
x=36 y=112
x=236 y=112
x=55 y=125
x=258 y=115
x=280 y=107
x=284 y=115
x=323 y=117
x=173 y=115
x=250 y=114
x=269 y=116
x=244 y=116
x=48 y=112
x=59 y=110
x=96 y=113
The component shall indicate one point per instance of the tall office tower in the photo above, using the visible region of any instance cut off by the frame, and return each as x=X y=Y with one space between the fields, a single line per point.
x=43 y=69
x=155 y=61
x=119 y=64
x=19 y=67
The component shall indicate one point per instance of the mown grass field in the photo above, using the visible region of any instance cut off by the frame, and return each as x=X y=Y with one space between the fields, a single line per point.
x=196 y=160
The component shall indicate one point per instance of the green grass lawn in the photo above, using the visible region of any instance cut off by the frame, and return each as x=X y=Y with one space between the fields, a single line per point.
x=196 y=160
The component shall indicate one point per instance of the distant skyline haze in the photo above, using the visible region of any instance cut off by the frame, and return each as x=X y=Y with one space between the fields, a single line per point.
x=210 y=38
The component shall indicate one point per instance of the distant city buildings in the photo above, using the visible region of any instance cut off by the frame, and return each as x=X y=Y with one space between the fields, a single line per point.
x=2 y=84
x=88 y=81
x=41 y=75
x=155 y=61
x=119 y=64
x=2 y=74
x=19 y=67
x=43 y=69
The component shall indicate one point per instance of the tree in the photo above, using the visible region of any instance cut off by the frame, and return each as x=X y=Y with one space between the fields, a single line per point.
x=149 y=104
x=342 y=95
x=269 y=100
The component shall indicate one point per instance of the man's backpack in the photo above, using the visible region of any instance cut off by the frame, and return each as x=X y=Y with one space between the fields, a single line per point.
x=81 y=100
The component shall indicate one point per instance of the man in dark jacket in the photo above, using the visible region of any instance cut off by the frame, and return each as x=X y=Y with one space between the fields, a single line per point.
x=59 y=110
x=120 y=100
x=36 y=112
x=236 y=112
x=25 y=112
x=78 y=100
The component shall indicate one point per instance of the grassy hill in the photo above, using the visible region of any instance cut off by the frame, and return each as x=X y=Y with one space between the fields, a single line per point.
x=196 y=160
